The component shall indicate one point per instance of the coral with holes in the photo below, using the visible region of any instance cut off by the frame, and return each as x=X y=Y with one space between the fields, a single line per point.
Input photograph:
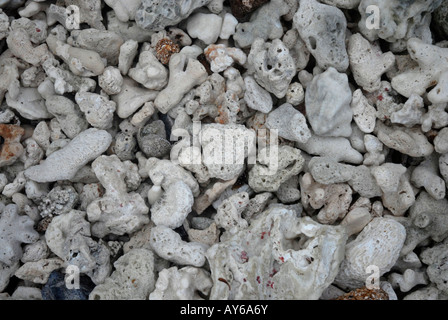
x=169 y=245
x=168 y=172
x=426 y=220
x=435 y=258
x=225 y=149
x=98 y=110
x=155 y=15
x=213 y=149
x=69 y=237
x=333 y=200
x=228 y=215
x=271 y=65
x=322 y=28
x=367 y=62
x=400 y=21
x=290 y=123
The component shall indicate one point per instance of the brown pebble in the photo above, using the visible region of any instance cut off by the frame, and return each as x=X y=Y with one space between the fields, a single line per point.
x=365 y=294
x=241 y=8
x=203 y=60
x=165 y=48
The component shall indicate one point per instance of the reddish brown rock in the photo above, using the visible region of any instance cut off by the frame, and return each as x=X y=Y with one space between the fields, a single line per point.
x=365 y=294
x=241 y=8
x=165 y=48
x=11 y=148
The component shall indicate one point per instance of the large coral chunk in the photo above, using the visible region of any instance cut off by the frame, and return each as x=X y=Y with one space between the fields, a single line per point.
x=279 y=256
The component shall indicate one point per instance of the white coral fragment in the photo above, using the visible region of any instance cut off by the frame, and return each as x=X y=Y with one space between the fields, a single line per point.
x=222 y=57
x=149 y=72
x=133 y=278
x=229 y=213
x=364 y=114
x=174 y=206
x=187 y=283
x=290 y=123
x=272 y=66
x=225 y=148
x=14 y=230
x=410 y=141
x=205 y=27
x=98 y=110
x=327 y=101
x=275 y=167
x=325 y=41
x=65 y=163
x=185 y=73
x=367 y=62
x=69 y=237
x=168 y=244
x=118 y=212
x=431 y=70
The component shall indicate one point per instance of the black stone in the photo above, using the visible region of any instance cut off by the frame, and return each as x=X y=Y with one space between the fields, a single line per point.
x=56 y=289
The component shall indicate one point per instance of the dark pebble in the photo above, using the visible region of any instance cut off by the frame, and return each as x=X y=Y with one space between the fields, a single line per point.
x=55 y=288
